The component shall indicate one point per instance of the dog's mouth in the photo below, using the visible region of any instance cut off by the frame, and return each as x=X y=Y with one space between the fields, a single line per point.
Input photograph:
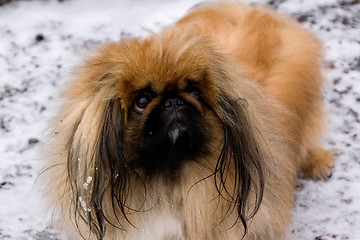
x=176 y=130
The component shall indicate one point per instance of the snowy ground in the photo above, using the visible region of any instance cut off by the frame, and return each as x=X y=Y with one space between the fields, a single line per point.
x=40 y=42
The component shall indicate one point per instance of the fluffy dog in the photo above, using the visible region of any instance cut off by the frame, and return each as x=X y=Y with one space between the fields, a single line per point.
x=198 y=132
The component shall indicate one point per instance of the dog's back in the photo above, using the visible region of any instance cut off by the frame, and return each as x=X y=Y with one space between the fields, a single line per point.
x=284 y=58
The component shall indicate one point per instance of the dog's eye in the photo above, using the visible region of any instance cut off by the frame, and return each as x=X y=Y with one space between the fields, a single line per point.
x=195 y=94
x=141 y=102
x=194 y=91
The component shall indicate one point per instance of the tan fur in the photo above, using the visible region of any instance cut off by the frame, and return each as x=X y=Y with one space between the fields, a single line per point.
x=273 y=64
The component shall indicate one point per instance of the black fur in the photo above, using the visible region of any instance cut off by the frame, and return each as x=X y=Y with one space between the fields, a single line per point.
x=241 y=147
x=110 y=162
x=156 y=152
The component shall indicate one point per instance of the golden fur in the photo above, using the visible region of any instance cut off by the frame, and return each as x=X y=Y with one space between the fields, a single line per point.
x=264 y=59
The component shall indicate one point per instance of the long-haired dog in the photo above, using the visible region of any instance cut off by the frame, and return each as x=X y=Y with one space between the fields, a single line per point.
x=198 y=132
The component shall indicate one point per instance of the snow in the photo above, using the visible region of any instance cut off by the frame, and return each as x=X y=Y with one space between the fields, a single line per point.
x=34 y=70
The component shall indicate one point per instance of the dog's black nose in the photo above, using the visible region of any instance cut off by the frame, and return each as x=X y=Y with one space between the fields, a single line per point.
x=172 y=103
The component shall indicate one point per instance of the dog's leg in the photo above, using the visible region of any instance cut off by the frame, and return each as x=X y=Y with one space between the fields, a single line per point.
x=319 y=164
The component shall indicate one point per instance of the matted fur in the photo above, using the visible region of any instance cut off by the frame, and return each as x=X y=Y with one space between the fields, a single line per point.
x=261 y=108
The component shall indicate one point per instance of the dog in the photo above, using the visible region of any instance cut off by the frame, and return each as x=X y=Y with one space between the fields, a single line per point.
x=198 y=132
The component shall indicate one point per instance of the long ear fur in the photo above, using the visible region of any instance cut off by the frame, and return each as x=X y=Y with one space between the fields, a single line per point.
x=91 y=127
x=241 y=156
x=105 y=173
x=88 y=179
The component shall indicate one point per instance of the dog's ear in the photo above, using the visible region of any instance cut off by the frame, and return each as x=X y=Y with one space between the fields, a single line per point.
x=96 y=165
x=241 y=157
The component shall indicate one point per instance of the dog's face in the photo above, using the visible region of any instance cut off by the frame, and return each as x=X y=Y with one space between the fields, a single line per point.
x=167 y=103
x=167 y=128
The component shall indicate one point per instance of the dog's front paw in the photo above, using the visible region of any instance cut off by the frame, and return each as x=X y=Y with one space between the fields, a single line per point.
x=319 y=164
